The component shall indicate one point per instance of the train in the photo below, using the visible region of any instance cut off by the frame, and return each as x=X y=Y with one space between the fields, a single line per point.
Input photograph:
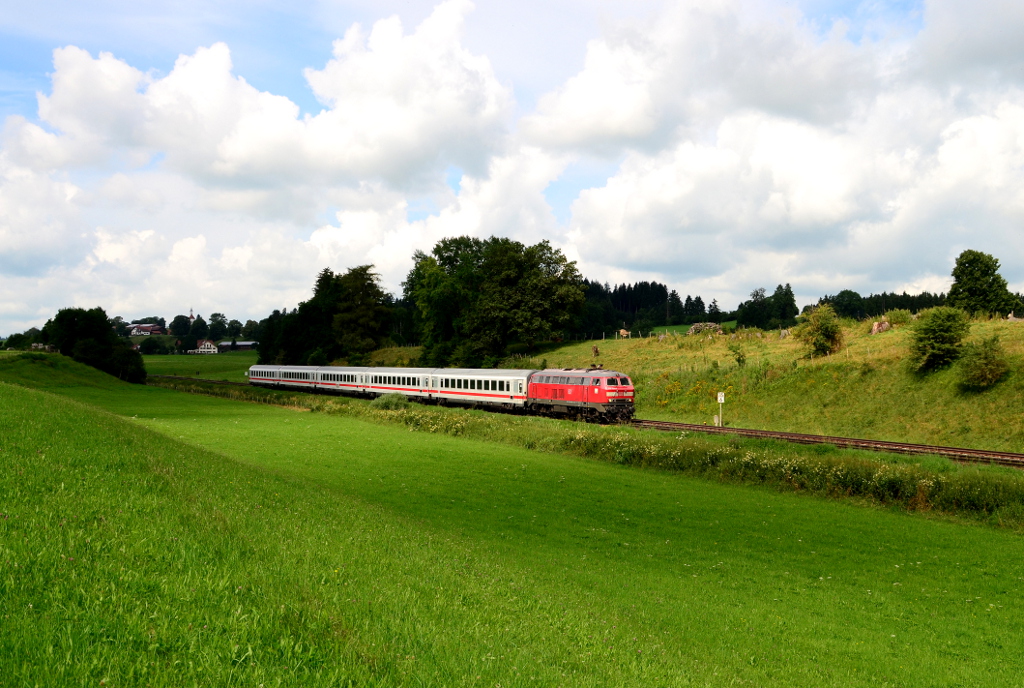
x=593 y=394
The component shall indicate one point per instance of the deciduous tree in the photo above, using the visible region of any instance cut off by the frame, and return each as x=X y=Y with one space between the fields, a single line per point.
x=978 y=286
x=87 y=336
x=180 y=325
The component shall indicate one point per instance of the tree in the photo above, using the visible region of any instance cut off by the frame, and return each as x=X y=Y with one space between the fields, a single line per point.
x=935 y=340
x=978 y=286
x=476 y=297
x=676 y=309
x=121 y=328
x=150 y=320
x=87 y=337
x=199 y=328
x=362 y=313
x=251 y=330
x=180 y=325
x=714 y=312
x=218 y=326
x=235 y=328
x=347 y=316
x=151 y=346
x=21 y=340
x=983 y=364
x=847 y=304
x=783 y=307
x=756 y=312
x=822 y=331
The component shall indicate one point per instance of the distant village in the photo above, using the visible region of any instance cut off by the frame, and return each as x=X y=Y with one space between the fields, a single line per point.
x=202 y=346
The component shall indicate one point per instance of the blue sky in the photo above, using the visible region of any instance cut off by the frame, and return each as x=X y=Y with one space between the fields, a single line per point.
x=217 y=155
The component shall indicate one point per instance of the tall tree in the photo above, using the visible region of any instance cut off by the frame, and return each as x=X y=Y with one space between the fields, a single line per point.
x=347 y=316
x=88 y=337
x=199 y=328
x=756 y=312
x=714 y=312
x=676 y=308
x=218 y=326
x=784 y=309
x=180 y=325
x=978 y=286
x=478 y=296
x=362 y=313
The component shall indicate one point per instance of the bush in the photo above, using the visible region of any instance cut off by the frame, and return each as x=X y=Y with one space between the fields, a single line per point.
x=937 y=336
x=898 y=316
x=738 y=354
x=390 y=402
x=982 y=364
x=822 y=330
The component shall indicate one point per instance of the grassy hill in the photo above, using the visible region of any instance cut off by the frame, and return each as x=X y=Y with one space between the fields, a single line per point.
x=175 y=539
x=866 y=390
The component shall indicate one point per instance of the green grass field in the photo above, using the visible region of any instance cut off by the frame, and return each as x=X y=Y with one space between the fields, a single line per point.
x=149 y=537
x=230 y=365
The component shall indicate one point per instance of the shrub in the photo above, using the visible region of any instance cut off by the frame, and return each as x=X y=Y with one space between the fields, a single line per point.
x=738 y=354
x=390 y=402
x=982 y=364
x=937 y=336
x=898 y=316
x=822 y=330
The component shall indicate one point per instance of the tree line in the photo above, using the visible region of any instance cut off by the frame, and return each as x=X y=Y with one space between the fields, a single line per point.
x=470 y=302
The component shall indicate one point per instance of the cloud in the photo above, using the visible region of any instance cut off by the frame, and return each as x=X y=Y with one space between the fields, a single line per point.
x=645 y=85
x=40 y=221
x=964 y=43
x=398 y=108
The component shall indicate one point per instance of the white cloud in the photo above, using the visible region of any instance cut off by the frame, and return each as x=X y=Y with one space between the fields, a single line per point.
x=677 y=74
x=399 y=107
x=40 y=221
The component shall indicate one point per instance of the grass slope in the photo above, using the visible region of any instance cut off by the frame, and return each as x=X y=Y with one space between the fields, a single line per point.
x=866 y=390
x=240 y=543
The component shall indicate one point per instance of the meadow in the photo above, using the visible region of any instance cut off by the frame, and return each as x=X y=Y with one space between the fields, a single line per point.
x=230 y=365
x=153 y=537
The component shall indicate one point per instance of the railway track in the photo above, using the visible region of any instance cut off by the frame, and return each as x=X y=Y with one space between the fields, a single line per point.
x=200 y=379
x=959 y=454
x=955 y=453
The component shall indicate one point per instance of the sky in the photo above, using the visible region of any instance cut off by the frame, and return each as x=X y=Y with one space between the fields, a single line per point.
x=215 y=156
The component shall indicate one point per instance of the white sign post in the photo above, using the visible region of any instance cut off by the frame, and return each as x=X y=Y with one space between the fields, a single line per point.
x=721 y=417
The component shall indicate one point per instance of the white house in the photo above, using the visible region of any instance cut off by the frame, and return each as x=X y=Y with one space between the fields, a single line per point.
x=204 y=346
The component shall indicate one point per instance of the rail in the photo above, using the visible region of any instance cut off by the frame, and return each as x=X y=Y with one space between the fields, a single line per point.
x=199 y=379
x=959 y=454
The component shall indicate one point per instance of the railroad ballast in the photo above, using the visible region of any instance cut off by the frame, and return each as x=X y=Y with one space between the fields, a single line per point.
x=590 y=393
